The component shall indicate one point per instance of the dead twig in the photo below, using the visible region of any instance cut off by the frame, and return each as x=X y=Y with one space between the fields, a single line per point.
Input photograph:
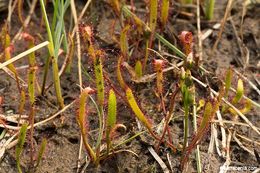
x=159 y=160
x=223 y=22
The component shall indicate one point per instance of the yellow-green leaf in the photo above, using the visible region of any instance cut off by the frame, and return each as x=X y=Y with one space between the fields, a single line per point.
x=135 y=108
x=240 y=92
x=138 y=69
x=111 y=116
x=164 y=12
x=123 y=41
x=153 y=15
x=206 y=117
x=228 y=79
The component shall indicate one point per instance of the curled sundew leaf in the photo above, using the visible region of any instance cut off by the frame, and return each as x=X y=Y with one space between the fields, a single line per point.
x=135 y=108
x=240 y=92
x=158 y=65
x=138 y=69
x=164 y=11
x=119 y=74
x=27 y=37
x=186 y=39
x=81 y=119
x=19 y=146
x=124 y=42
x=8 y=52
x=87 y=33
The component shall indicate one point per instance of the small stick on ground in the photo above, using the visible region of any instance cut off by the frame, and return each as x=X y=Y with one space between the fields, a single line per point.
x=199 y=31
x=228 y=8
x=159 y=160
x=223 y=133
x=241 y=145
x=224 y=167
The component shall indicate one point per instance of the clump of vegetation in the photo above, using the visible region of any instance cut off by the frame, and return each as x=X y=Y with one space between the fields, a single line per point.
x=141 y=54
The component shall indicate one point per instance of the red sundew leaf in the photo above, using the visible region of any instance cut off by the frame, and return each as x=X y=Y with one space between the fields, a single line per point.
x=158 y=64
x=27 y=37
x=1 y=100
x=186 y=37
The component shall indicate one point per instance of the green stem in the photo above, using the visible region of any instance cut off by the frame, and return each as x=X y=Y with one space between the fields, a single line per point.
x=56 y=78
x=158 y=36
x=186 y=1
x=197 y=154
x=186 y=126
x=209 y=12
x=54 y=60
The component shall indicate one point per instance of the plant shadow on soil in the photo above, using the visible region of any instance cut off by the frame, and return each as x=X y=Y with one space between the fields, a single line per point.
x=63 y=139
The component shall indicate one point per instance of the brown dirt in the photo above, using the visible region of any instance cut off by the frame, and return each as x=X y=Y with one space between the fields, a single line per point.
x=63 y=139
